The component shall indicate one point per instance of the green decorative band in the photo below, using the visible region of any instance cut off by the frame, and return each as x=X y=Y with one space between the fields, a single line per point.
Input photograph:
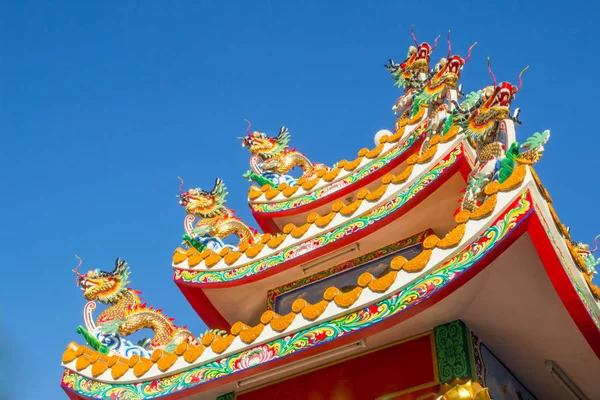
x=355 y=262
x=92 y=341
x=319 y=334
x=227 y=396
x=366 y=170
x=453 y=349
x=350 y=227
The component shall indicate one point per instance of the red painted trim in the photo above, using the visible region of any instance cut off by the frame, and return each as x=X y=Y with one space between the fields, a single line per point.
x=205 y=309
x=266 y=224
x=563 y=285
x=342 y=192
x=73 y=395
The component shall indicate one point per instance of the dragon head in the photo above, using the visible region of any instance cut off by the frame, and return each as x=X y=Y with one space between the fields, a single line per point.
x=103 y=286
x=415 y=64
x=260 y=144
x=499 y=97
x=203 y=204
x=449 y=68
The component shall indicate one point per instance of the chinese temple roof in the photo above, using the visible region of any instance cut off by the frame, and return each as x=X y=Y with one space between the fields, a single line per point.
x=435 y=138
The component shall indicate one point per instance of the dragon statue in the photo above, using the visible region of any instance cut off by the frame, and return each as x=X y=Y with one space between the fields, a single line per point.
x=486 y=123
x=445 y=78
x=411 y=74
x=583 y=250
x=126 y=314
x=587 y=263
x=480 y=122
x=272 y=159
x=216 y=222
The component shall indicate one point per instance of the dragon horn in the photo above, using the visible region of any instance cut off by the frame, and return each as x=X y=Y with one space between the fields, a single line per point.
x=76 y=270
x=180 y=185
x=435 y=43
x=520 y=79
x=469 y=52
x=248 y=128
x=595 y=244
x=412 y=33
x=449 y=45
x=490 y=70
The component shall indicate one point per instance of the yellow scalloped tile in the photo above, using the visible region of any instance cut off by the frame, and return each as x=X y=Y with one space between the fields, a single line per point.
x=179 y=255
x=166 y=361
x=280 y=323
x=331 y=175
x=99 y=368
x=382 y=284
x=192 y=353
x=345 y=300
x=118 y=370
x=142 y=367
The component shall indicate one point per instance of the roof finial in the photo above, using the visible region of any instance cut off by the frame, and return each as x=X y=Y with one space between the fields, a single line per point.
x=520 y=75
x=449 y=45
x=490 y=70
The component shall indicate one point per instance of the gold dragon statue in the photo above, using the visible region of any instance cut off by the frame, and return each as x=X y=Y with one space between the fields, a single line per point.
x=215 y=221
x=445 y=78
x=411 y=74
x=491 y=107
x=586 y=262
x=126 y=313
x=274 y=158
x=483 y=117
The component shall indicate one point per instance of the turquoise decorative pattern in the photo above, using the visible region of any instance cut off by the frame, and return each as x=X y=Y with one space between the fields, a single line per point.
x=321 y=333
x=333 y=187
x=326 y=238
x=453 y=351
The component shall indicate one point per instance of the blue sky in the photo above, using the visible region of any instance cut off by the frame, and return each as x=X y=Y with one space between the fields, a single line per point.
x=104 y=104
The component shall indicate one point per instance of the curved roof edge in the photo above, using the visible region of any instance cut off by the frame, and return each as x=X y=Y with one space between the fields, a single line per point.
x=515 y=213
x=321 y=234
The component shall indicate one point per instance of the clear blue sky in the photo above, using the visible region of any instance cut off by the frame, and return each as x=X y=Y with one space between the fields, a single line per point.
x=104 y=104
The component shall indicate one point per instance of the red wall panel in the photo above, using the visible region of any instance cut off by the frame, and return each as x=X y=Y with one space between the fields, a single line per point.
x=399 y=368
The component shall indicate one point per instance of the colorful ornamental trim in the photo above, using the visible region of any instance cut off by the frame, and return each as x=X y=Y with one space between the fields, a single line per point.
x=327 y=238
x=365 y=171
x=565 y=265
x=325 y=332
x=355 y=262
